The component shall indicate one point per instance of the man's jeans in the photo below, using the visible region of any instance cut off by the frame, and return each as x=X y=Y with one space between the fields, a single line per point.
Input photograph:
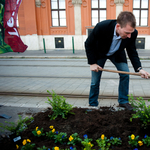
x=123 y=82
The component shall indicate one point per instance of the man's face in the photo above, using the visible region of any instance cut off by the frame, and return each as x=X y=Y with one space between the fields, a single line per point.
x=124 y=32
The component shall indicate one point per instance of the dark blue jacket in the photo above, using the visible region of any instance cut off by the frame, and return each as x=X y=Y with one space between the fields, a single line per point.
x=99 y=41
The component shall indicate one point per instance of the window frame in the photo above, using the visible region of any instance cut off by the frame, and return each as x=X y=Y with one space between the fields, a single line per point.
x=58 y=11
x=98 y=9
x=140 y=10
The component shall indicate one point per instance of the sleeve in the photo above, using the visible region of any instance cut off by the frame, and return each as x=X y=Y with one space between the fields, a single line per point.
x=132 y=52
x=91 y=43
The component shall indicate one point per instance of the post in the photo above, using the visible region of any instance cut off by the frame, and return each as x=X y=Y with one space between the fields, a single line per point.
x=73 y=44
x=44 y=45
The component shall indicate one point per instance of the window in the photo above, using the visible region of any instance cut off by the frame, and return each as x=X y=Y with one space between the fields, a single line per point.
x=98 y=10
x=140 y=10
x=58 y=9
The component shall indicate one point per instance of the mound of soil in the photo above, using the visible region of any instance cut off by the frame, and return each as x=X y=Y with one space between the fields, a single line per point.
x=92 y=122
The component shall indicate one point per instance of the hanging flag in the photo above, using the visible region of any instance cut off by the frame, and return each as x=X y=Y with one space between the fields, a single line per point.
x=10 y=40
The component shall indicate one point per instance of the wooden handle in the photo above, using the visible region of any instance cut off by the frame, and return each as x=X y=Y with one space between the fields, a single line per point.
x=123 y=72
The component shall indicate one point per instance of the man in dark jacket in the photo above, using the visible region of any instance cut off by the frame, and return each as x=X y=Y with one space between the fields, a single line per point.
x=108 y=40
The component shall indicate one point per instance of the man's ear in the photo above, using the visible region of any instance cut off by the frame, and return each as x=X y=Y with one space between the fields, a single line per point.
x=117 y=26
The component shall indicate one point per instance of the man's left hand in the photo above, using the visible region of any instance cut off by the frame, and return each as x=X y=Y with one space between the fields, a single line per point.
x=144 y=74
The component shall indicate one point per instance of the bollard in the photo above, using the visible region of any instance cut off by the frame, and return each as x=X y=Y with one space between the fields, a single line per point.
x=44 y=45
x=73 y=44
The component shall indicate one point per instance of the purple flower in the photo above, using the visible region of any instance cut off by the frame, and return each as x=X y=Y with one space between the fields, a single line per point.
x=145 y=136
x=62 y=136
x=136 y=149
x=119 y=138
x=71 y=148
x=111 y=137
x=85 y=136
x=56 y=132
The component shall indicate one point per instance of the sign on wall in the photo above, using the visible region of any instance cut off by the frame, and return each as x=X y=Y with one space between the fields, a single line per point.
x=10 y=40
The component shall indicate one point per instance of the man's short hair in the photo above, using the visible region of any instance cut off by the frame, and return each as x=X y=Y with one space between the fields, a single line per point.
x=126 y=17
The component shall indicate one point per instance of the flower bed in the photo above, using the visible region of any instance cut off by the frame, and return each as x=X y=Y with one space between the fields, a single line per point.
x=65 y=127
x=93 y=123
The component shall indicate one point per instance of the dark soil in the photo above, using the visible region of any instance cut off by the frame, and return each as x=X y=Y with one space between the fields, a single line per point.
x=93 y=122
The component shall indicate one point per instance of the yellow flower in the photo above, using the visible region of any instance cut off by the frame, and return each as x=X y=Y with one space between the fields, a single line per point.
x=51 y=127
x=28 y=140
x=17 y=147
x=38 y=132
x=132 y=136
x=90 y=144
x=140 y=143
x=53 y=130
x=102 y=136
x=56 y=148
x=70 y=138
x=36 y=128
x=24 y=142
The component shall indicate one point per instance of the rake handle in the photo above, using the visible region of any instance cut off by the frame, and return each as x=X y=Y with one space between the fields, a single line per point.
x=122 y=72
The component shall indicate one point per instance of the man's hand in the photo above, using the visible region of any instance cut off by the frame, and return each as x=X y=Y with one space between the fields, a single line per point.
x=95 y=67
x=144 y=74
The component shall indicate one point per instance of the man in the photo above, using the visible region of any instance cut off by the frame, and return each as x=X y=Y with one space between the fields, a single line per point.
x=108 y=40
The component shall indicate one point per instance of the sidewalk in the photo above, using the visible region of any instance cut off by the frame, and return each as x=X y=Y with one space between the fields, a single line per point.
x=60 y=54
x=48 y=54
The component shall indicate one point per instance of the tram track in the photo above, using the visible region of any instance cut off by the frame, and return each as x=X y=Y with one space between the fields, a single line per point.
x=64 y=95
x=23 y=78
x=57 y=66
x=65 y=77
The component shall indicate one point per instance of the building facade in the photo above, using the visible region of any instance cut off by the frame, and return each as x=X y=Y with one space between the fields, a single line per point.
x=62 y=23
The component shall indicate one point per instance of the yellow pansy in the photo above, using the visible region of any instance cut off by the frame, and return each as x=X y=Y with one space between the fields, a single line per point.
x=53 y=130
x=28 y=140
x=17 y=147
x=38 y=132
x=51 y=127
x=24 y=142
x=102 y=136
x=56 y=148
x=140 y=143
x=132 y=136
x=70 y=138
x=90 y=144
x=36 y=128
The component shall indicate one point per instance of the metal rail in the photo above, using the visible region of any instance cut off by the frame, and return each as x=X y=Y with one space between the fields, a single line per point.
x=64 y=95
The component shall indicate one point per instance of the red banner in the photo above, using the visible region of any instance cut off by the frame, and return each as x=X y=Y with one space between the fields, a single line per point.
x=12 y=37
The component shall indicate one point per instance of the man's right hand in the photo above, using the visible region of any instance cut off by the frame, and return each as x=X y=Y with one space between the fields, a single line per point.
x=95 y=67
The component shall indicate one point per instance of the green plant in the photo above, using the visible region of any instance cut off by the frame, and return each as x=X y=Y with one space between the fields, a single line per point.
x=115 y=141
x=133 y=141
x=59 y=106
x=87 y=143
x=146 y=140
x=103 y=143
x=51 y=133
x=60 y=137
x=74 y=139
x=18 y=127
x=38 y=132
x=27 y=145
x=142 y=111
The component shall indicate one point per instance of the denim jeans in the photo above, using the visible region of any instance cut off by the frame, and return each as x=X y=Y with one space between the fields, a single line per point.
x=123 y=88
